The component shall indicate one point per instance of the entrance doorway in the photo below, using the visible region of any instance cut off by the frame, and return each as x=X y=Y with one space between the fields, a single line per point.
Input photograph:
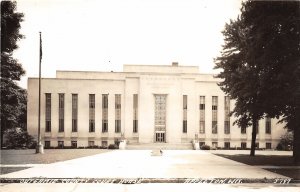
x=160 y=137
x=160 y=118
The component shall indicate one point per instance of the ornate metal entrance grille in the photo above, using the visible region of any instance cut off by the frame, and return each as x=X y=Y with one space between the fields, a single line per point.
x=160 y=118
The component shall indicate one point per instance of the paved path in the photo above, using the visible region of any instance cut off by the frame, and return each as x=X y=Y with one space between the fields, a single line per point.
x=147 y=188
x=140 y=164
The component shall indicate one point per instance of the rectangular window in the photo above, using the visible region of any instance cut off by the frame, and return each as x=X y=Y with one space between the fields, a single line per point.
x=117 y=126
x=243 y=130
x=214 y=127
x=91 y=125
x=91 y=143
x=214 y=114
x=227 y=145
x=202 y=127
x=117 y=113
x=74 y=112
x=48 y=112
x=60 y=144
x=256 y=145
x=91 y=112
x=243 y=145
x=202 y=114
x=135 y=126
x=104 y=143
x=104 y=126
x=268 y=125
x=74 y=144
x=214 y=145
x=268 y=146
x=184 y=126
x=227 y=127
x=227 y=116
x=47 y=144
x=61 y=105
x=105 y=113
x=135 y=113
x=184 y=130
x=215 y=103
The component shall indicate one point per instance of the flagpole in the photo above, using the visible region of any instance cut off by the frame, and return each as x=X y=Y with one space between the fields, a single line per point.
x=40 y=147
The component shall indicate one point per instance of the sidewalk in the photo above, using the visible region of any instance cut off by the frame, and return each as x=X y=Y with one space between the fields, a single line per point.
x=140 y=164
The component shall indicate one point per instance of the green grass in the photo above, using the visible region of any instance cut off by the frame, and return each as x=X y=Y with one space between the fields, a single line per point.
x=268 y=160
x=5 y=170
x=15 y=157
x=271 y=160
x=12 y=157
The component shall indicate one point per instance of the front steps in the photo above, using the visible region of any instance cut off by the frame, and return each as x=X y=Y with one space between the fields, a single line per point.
x=163 y=146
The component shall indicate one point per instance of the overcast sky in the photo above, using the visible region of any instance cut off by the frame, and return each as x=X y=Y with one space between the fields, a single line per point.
x=102 y=35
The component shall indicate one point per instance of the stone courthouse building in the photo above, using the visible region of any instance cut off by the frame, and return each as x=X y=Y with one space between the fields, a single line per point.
x=143 y=104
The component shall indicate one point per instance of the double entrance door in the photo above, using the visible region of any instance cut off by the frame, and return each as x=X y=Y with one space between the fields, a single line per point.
x=160 y=118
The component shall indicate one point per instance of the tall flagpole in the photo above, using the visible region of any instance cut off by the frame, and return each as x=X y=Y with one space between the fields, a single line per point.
x=40 y=147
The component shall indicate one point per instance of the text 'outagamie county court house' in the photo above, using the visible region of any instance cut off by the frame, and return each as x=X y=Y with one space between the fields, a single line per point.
x=143 y=104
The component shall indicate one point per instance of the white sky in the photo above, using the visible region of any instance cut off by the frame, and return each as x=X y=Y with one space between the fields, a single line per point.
x=102 y=35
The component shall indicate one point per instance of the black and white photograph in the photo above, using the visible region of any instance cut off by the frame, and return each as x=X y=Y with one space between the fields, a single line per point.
x=150 y=95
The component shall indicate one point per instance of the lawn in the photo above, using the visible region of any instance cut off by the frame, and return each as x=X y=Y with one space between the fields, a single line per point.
x=16 y=157
x=283 y=161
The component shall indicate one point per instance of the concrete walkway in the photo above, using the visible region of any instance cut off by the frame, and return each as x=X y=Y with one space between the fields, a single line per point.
x=140 y=164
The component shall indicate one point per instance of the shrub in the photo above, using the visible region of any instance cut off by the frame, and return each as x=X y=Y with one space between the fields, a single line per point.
x=279 y=147
x=113 y=146
x=286 y=142
x=103 y=147
x=205 y=147
x=17 y=138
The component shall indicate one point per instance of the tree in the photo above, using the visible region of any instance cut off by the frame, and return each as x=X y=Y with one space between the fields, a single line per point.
x=240 y=75
x=13 y=97
x=264 y=42
x=18 y=138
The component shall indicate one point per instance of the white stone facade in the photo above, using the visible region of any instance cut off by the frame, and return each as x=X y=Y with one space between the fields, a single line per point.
x=171 y=82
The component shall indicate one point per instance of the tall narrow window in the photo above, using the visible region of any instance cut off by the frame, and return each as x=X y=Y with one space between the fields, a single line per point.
x=105 y=113
x=243 y=145
x=214 y=114
x=184 y=126
x=227 y=117
x=92 y=113
x=135 y=113
x=117 y=113
x=227 y=145
x=48 y=112
x=268 y=125
x=61 y=105
x=74 y=144
x=202 y=114
x=47 y=144
x=243 y=130
x=74 y=112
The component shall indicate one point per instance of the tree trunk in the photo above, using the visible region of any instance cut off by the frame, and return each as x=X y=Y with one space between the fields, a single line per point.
x=252 y=153
x=1 y=142
x=296 y=145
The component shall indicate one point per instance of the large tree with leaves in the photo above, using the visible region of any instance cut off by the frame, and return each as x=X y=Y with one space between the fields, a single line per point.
x=260 y=62
x=13 y=97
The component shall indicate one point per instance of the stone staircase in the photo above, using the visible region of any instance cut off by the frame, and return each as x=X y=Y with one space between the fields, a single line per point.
x=163 y=146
